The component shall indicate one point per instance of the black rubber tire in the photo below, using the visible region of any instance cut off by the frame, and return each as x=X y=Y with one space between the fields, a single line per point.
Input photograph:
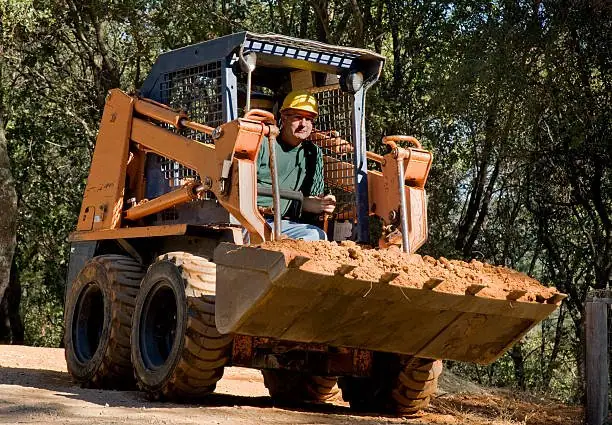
x=98 y=322
x=401 y=388
x=177 y=352
x=293 y=387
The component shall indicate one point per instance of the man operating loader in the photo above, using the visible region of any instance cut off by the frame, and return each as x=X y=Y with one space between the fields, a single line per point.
x=299 y=165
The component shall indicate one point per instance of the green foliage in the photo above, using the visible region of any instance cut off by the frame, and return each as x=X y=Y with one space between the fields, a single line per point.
x=41 y=307
x=536 y=349
x=513 y=98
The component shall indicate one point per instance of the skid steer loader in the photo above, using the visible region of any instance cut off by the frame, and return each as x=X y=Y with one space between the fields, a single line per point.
x=163 y=291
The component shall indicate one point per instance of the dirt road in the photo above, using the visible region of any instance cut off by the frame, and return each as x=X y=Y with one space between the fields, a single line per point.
x=36 y=389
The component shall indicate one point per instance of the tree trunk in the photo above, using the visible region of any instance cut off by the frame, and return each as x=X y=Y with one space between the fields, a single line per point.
x=516 y=353
x=321 y=10
x=397 y=48
x=482 y=214
x=552 y=361
x=304 y=18
x=8 y=194
x=467 y=231
x=376 y=27
x=8 y=206
x=11 y=326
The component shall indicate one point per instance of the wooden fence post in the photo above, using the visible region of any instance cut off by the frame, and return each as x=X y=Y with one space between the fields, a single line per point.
x=596 y=361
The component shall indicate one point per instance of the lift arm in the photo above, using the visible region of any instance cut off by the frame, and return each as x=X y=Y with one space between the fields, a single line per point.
x=227 y=168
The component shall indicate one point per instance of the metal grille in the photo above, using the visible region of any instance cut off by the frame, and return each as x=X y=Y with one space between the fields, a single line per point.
x=335 y=137
x=197 y=91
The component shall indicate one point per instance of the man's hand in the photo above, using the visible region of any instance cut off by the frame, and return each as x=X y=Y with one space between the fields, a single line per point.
x=319 y=204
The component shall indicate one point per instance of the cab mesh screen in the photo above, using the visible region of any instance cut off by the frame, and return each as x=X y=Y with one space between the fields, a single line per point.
x=334 y=134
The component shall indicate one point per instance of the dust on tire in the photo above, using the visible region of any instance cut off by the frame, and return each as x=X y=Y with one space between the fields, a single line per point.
x=294 y=387
x=405 y=388
x=98 y=320
x=192 y=356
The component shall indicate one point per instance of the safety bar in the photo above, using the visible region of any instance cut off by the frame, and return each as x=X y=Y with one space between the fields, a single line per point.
x=390 y=141
x=291 y=195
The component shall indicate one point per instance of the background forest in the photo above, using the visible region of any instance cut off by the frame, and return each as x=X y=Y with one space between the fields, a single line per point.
x=512 y=97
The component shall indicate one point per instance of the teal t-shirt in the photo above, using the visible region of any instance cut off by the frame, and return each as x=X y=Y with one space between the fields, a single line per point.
x=299 y=168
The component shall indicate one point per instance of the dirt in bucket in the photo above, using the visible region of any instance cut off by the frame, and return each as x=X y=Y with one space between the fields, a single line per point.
x=413 y=270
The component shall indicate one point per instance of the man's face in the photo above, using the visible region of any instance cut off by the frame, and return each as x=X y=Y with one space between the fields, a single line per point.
x=297 y=126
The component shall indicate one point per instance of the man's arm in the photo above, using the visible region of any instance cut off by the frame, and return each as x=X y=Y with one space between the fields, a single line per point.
x=318 y=203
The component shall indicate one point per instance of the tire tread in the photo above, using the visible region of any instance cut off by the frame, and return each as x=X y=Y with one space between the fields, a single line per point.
x=407 y=391
x=124 y=275
x=205 y=351
x=293 y=387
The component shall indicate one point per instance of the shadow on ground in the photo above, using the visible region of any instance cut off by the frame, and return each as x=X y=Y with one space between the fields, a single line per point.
x=62 y=385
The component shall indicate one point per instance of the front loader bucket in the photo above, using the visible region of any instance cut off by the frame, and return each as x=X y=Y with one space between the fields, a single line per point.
x=262 y=292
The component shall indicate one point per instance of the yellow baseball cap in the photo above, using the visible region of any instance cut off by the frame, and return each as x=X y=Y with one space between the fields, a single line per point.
x=301 y=100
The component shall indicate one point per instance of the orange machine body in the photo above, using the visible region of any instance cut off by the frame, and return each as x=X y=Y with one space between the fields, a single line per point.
x=383 y=194
x=131 y=127
x=384 y=197
x=226 y=168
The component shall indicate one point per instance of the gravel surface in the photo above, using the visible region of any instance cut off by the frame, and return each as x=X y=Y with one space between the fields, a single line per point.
x=36 y=389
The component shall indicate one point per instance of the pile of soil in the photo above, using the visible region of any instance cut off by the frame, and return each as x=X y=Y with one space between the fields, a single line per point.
x=413 y=270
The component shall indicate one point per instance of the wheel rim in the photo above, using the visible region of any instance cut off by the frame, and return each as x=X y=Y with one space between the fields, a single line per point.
x=88 y=322
x=158 y=325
